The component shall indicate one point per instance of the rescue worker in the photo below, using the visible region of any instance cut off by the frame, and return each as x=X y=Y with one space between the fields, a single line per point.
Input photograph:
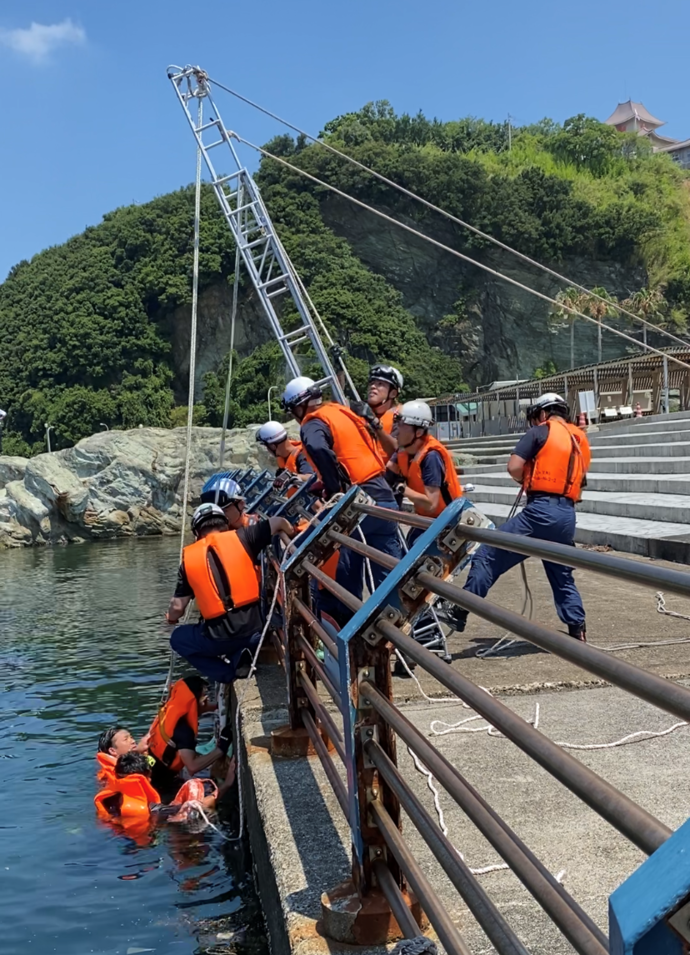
x=426 y=465
x=385 y=384
x=289 y=454
x=220 y=570
x=131 y=797
x=227 y=494
x=343 y=452
x=173 y=736
x=115 y=742
x=550 y=461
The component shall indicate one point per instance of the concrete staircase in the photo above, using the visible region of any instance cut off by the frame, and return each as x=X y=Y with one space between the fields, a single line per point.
x=637 y=498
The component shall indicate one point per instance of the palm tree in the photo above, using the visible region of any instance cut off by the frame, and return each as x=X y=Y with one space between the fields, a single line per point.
x=587 y=304
x=649 y=304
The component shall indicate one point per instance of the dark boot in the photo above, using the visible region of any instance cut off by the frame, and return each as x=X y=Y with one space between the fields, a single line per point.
x=579 y=632
x=456 y=617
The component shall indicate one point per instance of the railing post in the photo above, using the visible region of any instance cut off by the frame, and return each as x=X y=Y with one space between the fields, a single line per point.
x=359 y=661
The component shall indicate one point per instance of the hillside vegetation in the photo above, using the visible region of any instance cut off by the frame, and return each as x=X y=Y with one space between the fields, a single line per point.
x=84 y=335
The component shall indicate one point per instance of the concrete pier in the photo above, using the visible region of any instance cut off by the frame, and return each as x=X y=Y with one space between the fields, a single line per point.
x=300 y=839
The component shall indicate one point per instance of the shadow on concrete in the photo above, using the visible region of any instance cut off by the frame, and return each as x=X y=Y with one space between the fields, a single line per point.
x=309 y=806
x=519 y=649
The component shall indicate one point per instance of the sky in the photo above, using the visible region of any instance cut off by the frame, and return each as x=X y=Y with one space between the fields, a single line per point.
x=91 y=121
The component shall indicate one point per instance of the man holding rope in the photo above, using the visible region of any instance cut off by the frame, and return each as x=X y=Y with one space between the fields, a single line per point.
x=550 y=462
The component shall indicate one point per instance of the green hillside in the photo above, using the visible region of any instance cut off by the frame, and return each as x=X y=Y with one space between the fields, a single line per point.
x=85 y=326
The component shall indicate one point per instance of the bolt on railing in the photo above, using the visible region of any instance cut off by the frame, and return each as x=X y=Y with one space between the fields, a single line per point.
x=356 y=673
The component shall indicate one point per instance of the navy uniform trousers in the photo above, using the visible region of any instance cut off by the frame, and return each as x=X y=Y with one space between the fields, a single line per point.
x=547 y=517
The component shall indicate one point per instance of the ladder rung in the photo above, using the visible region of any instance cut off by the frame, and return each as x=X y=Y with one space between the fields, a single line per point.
x=295 y=331
x=278 y=291
x=201 y=129
x=218 y=142
x=278 y=278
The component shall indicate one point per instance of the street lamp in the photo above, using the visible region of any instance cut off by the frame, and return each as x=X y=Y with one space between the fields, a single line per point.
x=48 y=428
x=268 y=396
x=104 y=425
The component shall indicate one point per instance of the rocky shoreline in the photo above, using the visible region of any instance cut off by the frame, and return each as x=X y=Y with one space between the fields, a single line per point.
x=112 y=484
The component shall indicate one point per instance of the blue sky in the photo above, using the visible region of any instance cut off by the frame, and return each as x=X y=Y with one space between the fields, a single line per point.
x=91 y=122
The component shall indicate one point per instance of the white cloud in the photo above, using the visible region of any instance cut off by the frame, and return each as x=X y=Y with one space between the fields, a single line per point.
x=39 y=40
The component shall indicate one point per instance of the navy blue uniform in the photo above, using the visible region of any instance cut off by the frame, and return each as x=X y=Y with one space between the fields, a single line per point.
x=383 y=535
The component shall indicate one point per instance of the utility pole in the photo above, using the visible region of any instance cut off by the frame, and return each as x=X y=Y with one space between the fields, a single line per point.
x=510 y=133
x=48 y=428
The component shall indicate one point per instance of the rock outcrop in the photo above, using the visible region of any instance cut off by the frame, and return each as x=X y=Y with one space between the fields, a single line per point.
x=113 y=484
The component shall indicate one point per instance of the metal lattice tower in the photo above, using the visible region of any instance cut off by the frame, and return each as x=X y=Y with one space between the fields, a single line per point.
x=266 y=261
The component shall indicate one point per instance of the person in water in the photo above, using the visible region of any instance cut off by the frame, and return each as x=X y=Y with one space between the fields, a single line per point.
x=130 y=796
x=173 y=736
x=115 y=742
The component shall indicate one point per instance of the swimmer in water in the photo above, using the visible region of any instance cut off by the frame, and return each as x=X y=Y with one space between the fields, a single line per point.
x=113 y=743
x=130 y=795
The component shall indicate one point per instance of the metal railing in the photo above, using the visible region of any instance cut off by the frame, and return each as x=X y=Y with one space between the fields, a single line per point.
x=356 y=739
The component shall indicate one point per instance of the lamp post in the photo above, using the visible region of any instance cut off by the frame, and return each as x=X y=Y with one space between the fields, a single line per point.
x=104 y=425
x=268 y=397
x=48 y=428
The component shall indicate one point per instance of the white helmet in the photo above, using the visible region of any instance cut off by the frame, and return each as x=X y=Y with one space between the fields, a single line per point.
x=548 y=402
x=298 y=391
x=415 y=413
x=272 y=432
x=387 y=373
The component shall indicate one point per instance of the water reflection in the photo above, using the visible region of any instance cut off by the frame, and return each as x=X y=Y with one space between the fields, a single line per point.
x=81 y=646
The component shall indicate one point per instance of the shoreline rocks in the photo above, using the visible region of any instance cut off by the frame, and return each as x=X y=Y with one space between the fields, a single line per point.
x=112 y=484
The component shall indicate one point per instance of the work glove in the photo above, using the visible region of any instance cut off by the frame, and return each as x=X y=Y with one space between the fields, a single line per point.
x=362 y=409
x=225 y=740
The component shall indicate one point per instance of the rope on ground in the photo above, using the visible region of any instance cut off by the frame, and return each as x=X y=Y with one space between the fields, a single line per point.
x=660 y=608
x=563 y=306
x=420 y=945
x=448 y=215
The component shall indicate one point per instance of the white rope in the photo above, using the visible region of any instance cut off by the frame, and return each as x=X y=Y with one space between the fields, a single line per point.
x=280 y=583
x=233 y=317
x=448 y=215
x=192 y=337
x=563 y=306
x=192 y=374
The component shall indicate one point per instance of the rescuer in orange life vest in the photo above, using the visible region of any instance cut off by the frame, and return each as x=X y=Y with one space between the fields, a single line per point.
x=227 y=494
x=381 y=406
x=426 y=465
x=289 y=454
x=550 y=461
x=173 y=736
x=220 y=570
x=343 y=450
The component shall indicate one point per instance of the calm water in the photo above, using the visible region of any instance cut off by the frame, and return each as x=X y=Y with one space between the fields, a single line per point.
x=82 y=646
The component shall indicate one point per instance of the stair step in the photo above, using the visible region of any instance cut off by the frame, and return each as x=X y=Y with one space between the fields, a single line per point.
x=596 y=481
x=670 y=508
x=643 y=465
x=659 y=539
x=653 y=436
x=666 y=449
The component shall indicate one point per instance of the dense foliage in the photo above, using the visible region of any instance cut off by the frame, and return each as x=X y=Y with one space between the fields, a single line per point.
x=83 y=334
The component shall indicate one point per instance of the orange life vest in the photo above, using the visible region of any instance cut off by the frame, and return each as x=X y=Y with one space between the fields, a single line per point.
x=182 y=702
x=387 y=425
x=561 y=465
x=106 y=764
x=331 y=565
x=353 y=444
x=412 y=472
x=137 y=794
x=241 y=586
x=290 y=462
